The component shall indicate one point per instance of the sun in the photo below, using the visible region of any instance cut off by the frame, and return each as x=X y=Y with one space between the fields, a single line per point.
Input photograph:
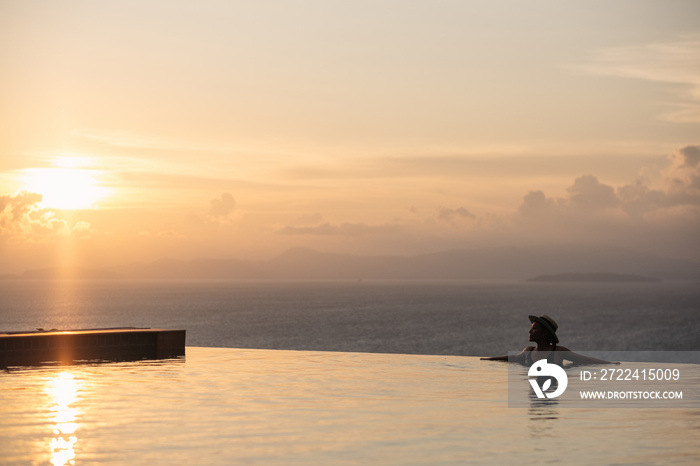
x=65 y=187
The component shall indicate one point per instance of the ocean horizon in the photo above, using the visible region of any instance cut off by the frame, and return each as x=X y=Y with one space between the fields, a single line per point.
x=449 y=317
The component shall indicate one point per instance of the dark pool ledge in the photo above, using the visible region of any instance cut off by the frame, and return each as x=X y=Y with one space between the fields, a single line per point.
x=73 y=346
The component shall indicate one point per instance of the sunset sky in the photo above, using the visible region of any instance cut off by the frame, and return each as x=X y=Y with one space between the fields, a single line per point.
x=137 y=130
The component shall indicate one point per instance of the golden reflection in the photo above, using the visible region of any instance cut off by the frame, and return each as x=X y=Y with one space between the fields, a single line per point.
x=64 y=390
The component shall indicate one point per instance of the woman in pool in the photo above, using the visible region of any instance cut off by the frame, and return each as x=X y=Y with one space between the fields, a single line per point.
x=543 y=333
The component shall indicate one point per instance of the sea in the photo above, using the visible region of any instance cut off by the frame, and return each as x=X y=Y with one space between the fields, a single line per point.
x=345 y=373
x=461 y=318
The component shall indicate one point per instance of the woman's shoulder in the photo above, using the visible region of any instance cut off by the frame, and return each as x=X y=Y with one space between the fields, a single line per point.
x=561 y=348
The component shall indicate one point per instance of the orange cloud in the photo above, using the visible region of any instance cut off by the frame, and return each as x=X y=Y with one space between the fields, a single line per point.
x=223 y=206
x=23 y=222
x=445 y=214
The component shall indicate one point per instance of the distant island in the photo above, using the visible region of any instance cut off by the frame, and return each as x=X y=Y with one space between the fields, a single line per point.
x=593 y=277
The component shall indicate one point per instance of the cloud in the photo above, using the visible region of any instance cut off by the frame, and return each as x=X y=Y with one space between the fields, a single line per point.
x=453 y=215
x=683 y=176
x=657 y=213
x=586 y=197
x=14 y=209
x=673 y=62
x=637 y=199
x=344 y=229
x=690 y=155
x=536 y=204
x=220 y=214
x=223 y=206
x=23 y=222
x=679 y=187
x=588 y=193
x=661 y=214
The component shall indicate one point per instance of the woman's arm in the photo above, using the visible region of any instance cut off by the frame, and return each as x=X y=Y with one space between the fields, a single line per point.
x=520 y=357
x=581 y=359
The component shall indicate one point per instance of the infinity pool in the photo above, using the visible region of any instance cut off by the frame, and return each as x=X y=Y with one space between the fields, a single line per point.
x=235 y=406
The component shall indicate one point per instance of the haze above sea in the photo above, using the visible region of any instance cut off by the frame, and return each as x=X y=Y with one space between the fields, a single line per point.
x=468 y=318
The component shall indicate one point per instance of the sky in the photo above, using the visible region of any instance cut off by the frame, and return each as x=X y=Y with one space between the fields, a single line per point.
x=137 y=130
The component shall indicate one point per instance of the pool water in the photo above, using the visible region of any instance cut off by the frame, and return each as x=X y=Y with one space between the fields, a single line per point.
x=242 y=406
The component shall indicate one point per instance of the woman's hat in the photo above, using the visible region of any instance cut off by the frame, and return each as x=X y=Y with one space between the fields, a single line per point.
x=548 y=323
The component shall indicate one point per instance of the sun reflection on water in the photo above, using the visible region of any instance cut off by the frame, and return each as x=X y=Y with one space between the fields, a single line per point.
x=63 y=388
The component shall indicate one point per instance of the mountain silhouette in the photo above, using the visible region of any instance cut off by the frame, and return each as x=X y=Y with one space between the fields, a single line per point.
x=517 y=263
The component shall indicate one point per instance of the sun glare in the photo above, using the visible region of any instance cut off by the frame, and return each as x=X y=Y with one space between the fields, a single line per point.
x=65 y=187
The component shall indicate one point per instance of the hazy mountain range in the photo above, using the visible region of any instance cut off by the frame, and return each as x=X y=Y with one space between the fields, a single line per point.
x=496 y=263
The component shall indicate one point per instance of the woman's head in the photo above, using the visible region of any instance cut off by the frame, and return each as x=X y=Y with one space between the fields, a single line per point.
x=544 y=327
